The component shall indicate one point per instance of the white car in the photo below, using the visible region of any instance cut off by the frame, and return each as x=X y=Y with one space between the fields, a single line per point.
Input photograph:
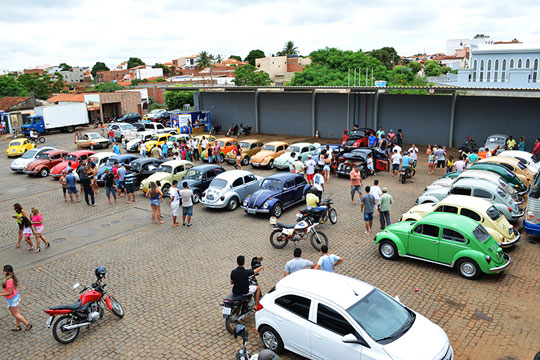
x=526 y=158
x=101 y=158
x=122 y=131
x=230 y=189
x=18 y=165
x=324 y=315
x=134 y=144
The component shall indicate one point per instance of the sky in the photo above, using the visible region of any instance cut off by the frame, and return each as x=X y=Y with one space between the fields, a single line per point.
x=81 y=32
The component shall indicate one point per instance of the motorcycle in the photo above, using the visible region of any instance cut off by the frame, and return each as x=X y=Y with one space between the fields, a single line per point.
x=237 y=307
x=283 y=233
x=86 y=311
x=39 y=139
x=322 y=213
x=244 y=130
x=468 y=146
x=215 y=129
x=15 y=134
x=406 y=173
x=233 y=130
x=243 y=353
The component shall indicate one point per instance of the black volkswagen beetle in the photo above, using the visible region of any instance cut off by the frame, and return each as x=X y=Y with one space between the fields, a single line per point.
x=359 y=157
x=199 y=178
x=143 y=168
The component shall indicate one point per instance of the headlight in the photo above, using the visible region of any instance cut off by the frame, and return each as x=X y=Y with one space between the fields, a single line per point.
x=264 y=161
x=265 y=206
x=245 y=203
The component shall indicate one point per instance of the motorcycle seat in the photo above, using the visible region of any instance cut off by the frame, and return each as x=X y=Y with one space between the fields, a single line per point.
x=319 y=209
x=233 y=297
x=285 y=226
x=73 y=306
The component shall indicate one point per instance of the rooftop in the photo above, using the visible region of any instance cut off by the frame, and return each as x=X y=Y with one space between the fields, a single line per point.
x=66 y=98
x=9 y=101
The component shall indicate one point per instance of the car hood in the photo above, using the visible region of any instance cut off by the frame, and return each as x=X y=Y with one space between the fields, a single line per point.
x=36 y=163
x=422 y=209
x=262 y=154
x=259 y=197
x=158 y=176
x=403 y=226
x=190 y=182
x=424 y=339
x=21 y=162
x=131 y=143
x=57 y=169
x=284 y=158
x=437 y=191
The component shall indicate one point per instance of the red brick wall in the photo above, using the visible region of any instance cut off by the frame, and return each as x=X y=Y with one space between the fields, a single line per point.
x=292 y=65
x=107 y=76
x=156 y=93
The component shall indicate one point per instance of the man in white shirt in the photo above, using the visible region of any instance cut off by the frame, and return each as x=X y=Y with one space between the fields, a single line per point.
x=175 y=202
x=376 y=191
x=460 y=164
x=204 y=144
x=396 y=161
x=398 y=148
x=413 y=154
x=310 y=169
x=318 y=183
x=187 y=204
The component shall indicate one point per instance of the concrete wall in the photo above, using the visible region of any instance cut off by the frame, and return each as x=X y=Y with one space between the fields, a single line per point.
x=289 y=114
x=228 y=108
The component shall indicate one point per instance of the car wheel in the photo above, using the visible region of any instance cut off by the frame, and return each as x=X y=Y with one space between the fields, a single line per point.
x=468 y=269
x=165 y=189
x=271 y=164
x=69 y=129
x=92 y=147
x=363 y=173
x=44 y=172
x=221 y=158
x=233 y=203
x=196 y=196
x=245 y=161
x=388 y=250
x=277 y=210
x=271 y=339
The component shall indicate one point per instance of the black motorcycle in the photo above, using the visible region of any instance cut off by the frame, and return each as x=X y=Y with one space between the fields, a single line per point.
x=215 y=129
x=244 y=130
x=406 y=172
x=233 y=130
x=468 y=146
x=237 y=307
x=320 y=214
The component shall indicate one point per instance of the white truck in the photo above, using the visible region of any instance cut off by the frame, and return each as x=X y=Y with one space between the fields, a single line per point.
x=63 y=117
x=159 y=128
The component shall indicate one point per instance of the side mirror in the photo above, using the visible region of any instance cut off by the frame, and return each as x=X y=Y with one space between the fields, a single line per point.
x=76 y=285
x=352 y=339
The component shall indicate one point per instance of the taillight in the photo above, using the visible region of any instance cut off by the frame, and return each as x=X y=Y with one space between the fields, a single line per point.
x=509 y=209
x=203 y=194
x=259 y=307
x=222 y=198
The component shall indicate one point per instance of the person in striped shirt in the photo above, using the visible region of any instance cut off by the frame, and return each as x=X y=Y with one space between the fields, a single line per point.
x=129 y=179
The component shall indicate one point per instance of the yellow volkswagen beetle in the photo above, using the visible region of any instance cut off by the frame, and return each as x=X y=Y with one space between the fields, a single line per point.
x=156 y=140
x=475 y=208
x=269 y=152
x=513 y=165
x=18 y=147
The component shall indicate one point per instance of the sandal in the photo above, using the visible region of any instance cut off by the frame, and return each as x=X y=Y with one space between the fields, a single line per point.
x=28 y=327
x=47 y=246
x=38 y=250
x=18 y=328
x=30 y=248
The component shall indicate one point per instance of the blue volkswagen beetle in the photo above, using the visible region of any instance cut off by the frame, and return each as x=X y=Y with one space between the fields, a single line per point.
x=126 y=159
x=277 y=192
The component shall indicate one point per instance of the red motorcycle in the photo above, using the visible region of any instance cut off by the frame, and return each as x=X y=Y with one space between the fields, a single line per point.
x=84 y=312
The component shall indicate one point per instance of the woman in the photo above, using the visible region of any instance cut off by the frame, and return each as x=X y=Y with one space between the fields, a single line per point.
x=63 y=182
x=238 y=164
x=431 y=162
x=28 y=231
x=327 y=162
x=10 y=285
x=522 y=141
x=19 y=213
x=400 y=138
x=92 y=170
x=155 y=195
x=37 y=222
x=429 y=149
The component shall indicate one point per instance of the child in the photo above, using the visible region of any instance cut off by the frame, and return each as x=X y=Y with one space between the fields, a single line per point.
x=370 y=164
x=28 y=231
x=450 y=164
x=431 y=162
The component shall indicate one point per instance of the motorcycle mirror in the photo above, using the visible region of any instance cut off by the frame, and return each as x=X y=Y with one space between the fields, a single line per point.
x=76 y=285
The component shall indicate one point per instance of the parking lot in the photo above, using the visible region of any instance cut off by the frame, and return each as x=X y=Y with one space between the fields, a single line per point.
x=172 y=280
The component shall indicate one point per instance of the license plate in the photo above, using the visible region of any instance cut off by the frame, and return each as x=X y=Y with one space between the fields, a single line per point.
x=226 y=311
x=49 y=321
x=251 y=211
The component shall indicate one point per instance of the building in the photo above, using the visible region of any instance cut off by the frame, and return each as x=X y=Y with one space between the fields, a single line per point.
x=112 y=75
x=75 y=75
x=452 y=45
x=137 y=72
x=122 y=66
x=185 y=62
x=282 y=68
x=145 y=72
x=32 y=71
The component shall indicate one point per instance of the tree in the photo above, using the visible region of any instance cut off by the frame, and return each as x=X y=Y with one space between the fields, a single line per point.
x=402 y=75
x=218 y=58
x=98 y=66
x=415 y=67
x=235 y=57
x=166 y=69
x=65 y=67
x=254 y=54
x=9 y=86
x=446 y=69
x=108 y=87
x=133 y=61
x=248 y=75
x=388 y=56
x=177 y=99
x=432 y=68
x=289 y=49
x=203 y=61
x=42 y=86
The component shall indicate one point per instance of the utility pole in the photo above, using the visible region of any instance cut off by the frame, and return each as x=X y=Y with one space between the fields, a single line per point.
x=349 y=78
x=367 y=71
x=354 y=77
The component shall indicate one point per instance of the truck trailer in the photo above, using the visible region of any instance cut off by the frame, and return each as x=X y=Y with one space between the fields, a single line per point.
x=63 y=117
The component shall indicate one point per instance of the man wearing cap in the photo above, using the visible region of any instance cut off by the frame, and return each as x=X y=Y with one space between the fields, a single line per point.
x=310 y=169
x=109 y=185
x=384 y=208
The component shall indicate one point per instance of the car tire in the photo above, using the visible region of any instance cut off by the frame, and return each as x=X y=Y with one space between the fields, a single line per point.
x=271 y=164
x=44 y=172
x=388 y=250
x=70 y=129
x=196 y=196
x=277 y=210
x=221 y=158
x=92 y=147
x=245 y=161
x=468 y=268
x=363 y=173
x=233 y=203
x=270 y=339
x=165 y=189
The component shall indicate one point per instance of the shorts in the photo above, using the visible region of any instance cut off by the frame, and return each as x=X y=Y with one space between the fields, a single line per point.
x=414 y=162
x=129 y=188
x=252 y=289
x=38 y=229
x=310 y=176
x=121 y=184
x=21 y=226
x=64 y=190
x=175 y=207
x=72 y=190
x=326 y=168
x=187 y=210
x=395 y=167
x=440 y=164
x=368 y=216
x=155 y=202
x=109 y=190
x=356 y=188
x=14 y=301
x=27 y=231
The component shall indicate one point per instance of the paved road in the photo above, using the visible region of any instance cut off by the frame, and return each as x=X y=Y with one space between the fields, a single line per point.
x=171 y=281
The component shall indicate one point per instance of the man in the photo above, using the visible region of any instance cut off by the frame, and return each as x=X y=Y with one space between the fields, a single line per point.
x=380 y=133
x=510 y=143
x=312 y=200
x=204 y=144
x=318 y=183
x=143 y=149
x=328 y=262
x=368 y=205
x=473 y=158
x=129 y=179
x=240 y=280
x=309 y=168
x=116 y=148
x=109 y=185
x=194 y=148
x=355 y=127
x=298 y=165
x=406 y=164
x=375 y=190
x=297 y=263
x=187 y=204
x=175 y=202
x=87 y=187
x=155 y=152
x=217 y=152
x=413 y=153
x=71 y=181
x=384 y=208
x=291 y=161
x=165 y=150
x=460 y=164
x=356 y=182
x=372 y=140
x=111 y=135
x=536 y=150
x=440 y=156
x=122 y=180
x=396 y=161
x=34 y=135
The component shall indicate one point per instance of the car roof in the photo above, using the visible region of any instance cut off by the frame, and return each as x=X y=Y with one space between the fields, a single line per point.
x=54 y=152
x=476 y=182
x=81 y=152
x=339 y=289
x=251 y=141
x=101 y=155
x=466 y=201
x=226 y=139
x=301 y=144
x=176 y=162
x=498 y=135
x=206 y=167
x=233 y=174
x=450 y=220
x=500 y=159
x=143 y=160
x=276 y=143
x=283 y=176
x=93 y=132
x=125 y=156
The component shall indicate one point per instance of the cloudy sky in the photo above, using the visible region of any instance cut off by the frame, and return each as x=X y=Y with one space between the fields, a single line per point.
x=81 y=32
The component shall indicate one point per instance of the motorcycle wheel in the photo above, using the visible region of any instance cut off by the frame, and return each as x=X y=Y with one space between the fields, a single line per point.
x=64 y=337
x=276 y=242
x=230 y=321
x=41 y=139
x=318 y=239
x=117 y=309
x=403 y=179
x=332 y=216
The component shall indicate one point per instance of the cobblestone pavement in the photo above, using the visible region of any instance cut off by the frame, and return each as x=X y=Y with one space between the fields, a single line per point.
x=171 y=281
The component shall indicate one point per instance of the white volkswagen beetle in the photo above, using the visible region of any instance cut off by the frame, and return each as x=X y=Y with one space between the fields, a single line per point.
x=229 y=189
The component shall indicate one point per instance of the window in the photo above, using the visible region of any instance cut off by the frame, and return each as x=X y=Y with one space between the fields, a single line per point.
x=489 y=65
x=481 y=76
x=427 y=230
x=496 y=64
x=254 y=146
x=475 y=65
x=289 y=184
x=447 y=209
x=494 y=213
x=481 y=193
x=474 y=76
x=82 y=157
x=296 y=304
x=56 y=157
x=528 y=64
x=495 y=76
x=520 y=62
x=304 y=149
x=482 y=65
x=535 y=70
x=228 y=143
x=488 y=76
x=249 y=178
x=279 y=148
x=481 y=234
x=511 y=63
x=299 y=180
x=452 y=235
x=331 y=320
x=237 y=182
x=179 y=169
x=471 y=214
x=460 y=191
x=311 y=148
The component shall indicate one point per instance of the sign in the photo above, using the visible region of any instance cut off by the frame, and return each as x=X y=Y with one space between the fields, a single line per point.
x=183 y=120
x=380 y=83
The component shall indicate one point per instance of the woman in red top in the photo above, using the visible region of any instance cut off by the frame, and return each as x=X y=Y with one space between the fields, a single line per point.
x=9 y=285
x=37 y=222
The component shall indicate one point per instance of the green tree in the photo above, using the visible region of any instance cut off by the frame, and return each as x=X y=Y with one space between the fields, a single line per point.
x=388 y=56
x=108 y=87
x=415 y=67
x=166 y=69
x=42 y=86
x=248 y=75
x=254 y=54
x=205 y=60
x=288 y=49
x=177 y=99
x=134 y=61
x=98 y=66
x=446 y=69
x=218 y=58
x=65 y=67
x=432 y=68
x=402 y=75
x=9 y=86
x=235 y=57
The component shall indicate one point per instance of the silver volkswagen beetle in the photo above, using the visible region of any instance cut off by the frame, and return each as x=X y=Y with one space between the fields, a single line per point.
x=229 y=189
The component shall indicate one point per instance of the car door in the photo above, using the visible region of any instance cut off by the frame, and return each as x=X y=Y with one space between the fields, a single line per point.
x=304 y=153
x=291 y=315
x=451 y=243
x=424 y=241
x=239 y=188
x=178 y=173
x=327 y=332
x=381 y=162
x=300 y=184
x=252 y=184
x=279 y=150
x=288 y=192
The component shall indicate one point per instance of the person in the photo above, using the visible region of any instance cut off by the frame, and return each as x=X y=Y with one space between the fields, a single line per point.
x=309 y=168
x=71 y=181
x=510 y=143
x=240 y=280
x=318 y=183
x=175 y=202
x=384 y=208
x=62 y=181
x=187 y=204
x=88 y=191
x=33 y=135
x=326 y=168
x=320 y=159
x=298 y=165
x=460 y=164
x=450 y=164
x=413 y=153
x=183 y=153
x=380 y=133
x=165 y=150
x=440 y=156
x=116 y=148
x=204 y=144
x=297 y=263
x=122 y=180
x=328 y=262
x=155 y=152
x=195 y=148
x=209 y=152
x=396 y=162
x=129 y=179
x=238 y=161
x=142 y=149
x=406 y=164
x=429 y=149
x=28 y=231
x=368 y=206
x=473 y=158
x=187 y=149
x=217 y=152
x=369 y=164
x=111 y=135
x=431 y=162
x=372 y=140
x=536 y=149
x=522 y=141
x=155 y=195
x=109 y=185
x=356 y=182
x=37 y=223
x=10 y=285
x=375 y=190
x=391 y=134
x=399 y=138
x=312 y=200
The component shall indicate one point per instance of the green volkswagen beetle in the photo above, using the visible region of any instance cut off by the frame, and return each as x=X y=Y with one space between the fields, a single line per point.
x=450 y=240
x=506 y=174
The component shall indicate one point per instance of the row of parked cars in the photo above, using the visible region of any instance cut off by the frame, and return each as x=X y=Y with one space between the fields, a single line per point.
x=465 y=219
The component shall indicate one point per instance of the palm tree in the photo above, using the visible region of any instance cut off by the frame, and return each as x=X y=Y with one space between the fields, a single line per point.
x=218 y=58
x=289 y=49
x=205 y=60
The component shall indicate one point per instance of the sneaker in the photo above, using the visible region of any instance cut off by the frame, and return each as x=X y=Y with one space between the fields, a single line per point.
x=365 y=232
x=188 y=224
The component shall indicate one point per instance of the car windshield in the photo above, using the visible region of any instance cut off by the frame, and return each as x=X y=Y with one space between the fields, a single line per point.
x=135 y=165
x=15 y=143
x=93 y=135
x=269 y=147
x=480 y=233
x=383 y=318
x=29 y=154
x=221 y=143
x=509 y=173
x=493 y=213
x=357 y=133
x=244 y=145
x=44 y=156
x=70 y=158
x=296 y=149
x=155 y=138
x=496 y=140
x=164 y=168
x=219 y=183
x=193 y=174
x=271 y=184
x=127 y=127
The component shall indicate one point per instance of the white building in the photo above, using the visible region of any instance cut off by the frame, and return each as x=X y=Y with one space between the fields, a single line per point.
x=74 y=75
x=145 y=72
x=453 y=45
